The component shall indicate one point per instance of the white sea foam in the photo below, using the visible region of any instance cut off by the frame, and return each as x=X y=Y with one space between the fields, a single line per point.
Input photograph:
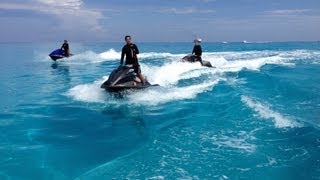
x=89 y=92
x=152 y=55
x=265 y=111
x=88 y=57
x=237 y=64
x=93 y=57
x=300 y=54
x=169 y=73
x=226 y=139
x=167 y=92
x=216 y=58
x=172 y=72
x=111 y=54
x=157 y=96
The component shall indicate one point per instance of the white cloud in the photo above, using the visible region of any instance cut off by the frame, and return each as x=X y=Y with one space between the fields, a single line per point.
x=72 y=14
x=14 y=6
x=65 y=4
x=188 y=10
x=280 y=25
x=286 y=12
x=207 y=1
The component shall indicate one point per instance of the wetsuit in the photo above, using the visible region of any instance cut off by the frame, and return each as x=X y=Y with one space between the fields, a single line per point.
x=198 y=52
x=131 y=51
x=65 y=48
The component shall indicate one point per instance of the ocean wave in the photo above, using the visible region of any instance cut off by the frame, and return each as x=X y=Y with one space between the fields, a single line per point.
x=264 y=111
x=241 y=141
x=89 y=92
x=171 y=72
x=160 y=96
x=112 y=54
x=167 y=92
x=216 y=58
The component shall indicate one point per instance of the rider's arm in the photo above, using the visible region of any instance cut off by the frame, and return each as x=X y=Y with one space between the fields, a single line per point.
x=122 y=56
x=136 y=48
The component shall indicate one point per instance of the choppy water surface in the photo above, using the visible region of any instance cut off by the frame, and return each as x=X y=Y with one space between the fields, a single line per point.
x=256 y=115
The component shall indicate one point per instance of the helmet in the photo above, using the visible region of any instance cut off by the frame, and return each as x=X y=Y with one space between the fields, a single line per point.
x=198 y=40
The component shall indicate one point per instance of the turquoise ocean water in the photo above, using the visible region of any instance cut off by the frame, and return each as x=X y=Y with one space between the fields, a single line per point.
x=255 y=116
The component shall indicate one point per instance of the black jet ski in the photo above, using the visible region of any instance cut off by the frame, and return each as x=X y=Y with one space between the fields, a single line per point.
x=124 y=78
x=58 y=54
x=193 y=58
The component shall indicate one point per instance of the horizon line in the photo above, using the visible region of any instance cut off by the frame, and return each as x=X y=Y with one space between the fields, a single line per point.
x=223 y=42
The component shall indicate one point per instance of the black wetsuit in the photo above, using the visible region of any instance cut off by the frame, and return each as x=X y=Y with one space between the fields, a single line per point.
x=131 y=51
x=65 y=48
x=198 y=52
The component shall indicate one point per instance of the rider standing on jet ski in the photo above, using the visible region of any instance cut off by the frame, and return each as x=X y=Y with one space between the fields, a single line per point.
x=130 y=50
x=65 y=48
x=197 y=49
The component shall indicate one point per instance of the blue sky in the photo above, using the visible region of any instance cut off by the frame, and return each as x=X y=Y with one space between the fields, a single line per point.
x=159 y=21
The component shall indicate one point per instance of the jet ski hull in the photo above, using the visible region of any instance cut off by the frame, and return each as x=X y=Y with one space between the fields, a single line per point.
x=57 y=54
x=124 y=78
x=192 y=58
x=124 y=88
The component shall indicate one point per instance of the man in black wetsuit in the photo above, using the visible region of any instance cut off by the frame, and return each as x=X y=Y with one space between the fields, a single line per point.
x=197 y=51
x=65 y=48
x=130 y=50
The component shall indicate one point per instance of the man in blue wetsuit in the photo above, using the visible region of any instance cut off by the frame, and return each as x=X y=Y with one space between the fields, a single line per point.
x=130 y=50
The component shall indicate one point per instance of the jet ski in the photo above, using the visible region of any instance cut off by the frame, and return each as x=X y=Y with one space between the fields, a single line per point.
x=193 y=58
x=58 y=54
x=124 y=78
